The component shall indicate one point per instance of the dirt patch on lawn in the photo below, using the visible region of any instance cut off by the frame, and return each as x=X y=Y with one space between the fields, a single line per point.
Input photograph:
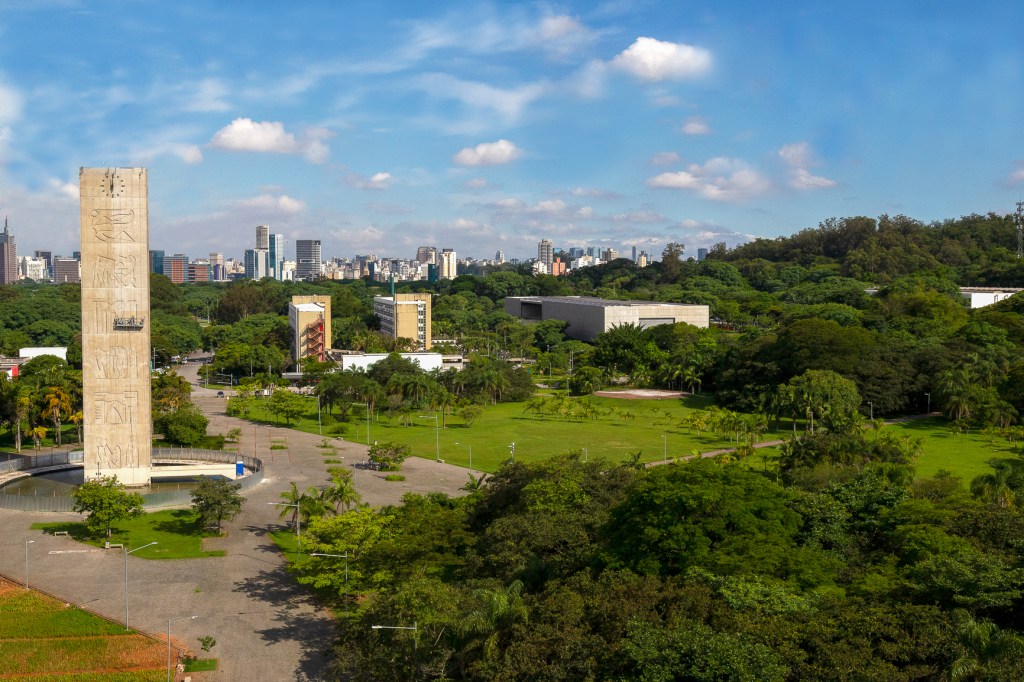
x=642 y=394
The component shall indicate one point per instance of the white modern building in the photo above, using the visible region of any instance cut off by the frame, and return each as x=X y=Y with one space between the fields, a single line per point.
x=979 y=297
x=426 y=361
x=588 y=317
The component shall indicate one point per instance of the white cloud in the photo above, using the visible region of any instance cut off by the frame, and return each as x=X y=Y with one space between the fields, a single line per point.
x=720 y=179
x=695 y=125
x=664 y=159
x=68 y=190
x=246 y=135
x=1016 y=176
x=593 y=192
x=802 y=179
x=800 y=156
x=281 y=203
x=476 y=183
x=10 y=105
x=376 y=181
x=207 y=95
x=509 y=103
x=655 y=60
x=488 y=154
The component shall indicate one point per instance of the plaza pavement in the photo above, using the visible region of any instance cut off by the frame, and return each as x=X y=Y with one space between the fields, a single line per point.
x=267 y=627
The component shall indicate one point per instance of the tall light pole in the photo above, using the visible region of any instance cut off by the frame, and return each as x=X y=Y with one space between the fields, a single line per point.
x=470 y=456
x=27 y=543
x=414 y=628
x=169 y=621
x=512 y=451
x=126 y=553
x=929 y=396
x=298 y=525
x=871 y=413
x=367 y=405
x=339 y=556
x=437 y=435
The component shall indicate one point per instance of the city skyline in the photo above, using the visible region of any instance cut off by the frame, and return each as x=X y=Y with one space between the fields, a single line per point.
x=379 y=128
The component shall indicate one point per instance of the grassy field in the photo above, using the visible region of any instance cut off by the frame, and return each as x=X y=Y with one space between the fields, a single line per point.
x=42 y=638
x=966 y=455
x=174 y=530
x=627 y=427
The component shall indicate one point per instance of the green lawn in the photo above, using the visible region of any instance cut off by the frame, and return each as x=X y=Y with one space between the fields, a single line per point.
x=966 y=455
x=42 y=638
x=174 y=530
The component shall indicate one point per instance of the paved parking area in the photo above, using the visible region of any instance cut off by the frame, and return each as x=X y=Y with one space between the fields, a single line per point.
x=266 y=626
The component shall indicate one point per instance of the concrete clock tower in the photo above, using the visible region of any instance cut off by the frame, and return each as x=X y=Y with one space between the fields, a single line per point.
x=116 y=324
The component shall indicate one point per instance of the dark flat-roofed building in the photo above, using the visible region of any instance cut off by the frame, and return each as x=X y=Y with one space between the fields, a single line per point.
x=588 y=317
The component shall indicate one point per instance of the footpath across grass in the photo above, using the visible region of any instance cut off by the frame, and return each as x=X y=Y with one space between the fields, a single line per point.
x=175 y=531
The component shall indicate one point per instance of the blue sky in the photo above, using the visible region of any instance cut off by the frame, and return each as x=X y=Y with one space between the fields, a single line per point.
x=381 y=126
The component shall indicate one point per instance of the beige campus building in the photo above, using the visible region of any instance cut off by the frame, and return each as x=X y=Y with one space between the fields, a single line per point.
x=114 y=216
x=588 y=317
x=310 y=320
x=405 y=316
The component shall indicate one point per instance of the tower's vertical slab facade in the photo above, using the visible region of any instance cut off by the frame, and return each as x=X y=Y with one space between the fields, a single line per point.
x=115 y=323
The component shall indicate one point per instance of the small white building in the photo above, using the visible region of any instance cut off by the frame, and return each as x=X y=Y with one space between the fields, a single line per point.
x=426 y=361
x=979 y=297
x=59 y=351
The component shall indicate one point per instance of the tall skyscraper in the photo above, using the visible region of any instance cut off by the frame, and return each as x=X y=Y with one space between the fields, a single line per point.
x=449 y=264
x=8 y=257
x=307 y=259
x=546 y=254
x=256 y=263
x=176 y=268
x=156 y=262
x=426 y=254
x=634 y=254
x=275 y=254
x=217 y=267
x=263 y=237
x=500 y=256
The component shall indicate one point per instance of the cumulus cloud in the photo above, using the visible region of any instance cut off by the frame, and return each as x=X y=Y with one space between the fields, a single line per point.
x=654 y=60
x=246 y=135
x=281 y=203
x=488 y=154
x=695 y=125
x=720 y=179
x=664 y=159
x=376 y=181
x=800 y=157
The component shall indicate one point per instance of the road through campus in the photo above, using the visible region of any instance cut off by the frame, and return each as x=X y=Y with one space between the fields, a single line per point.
x=267 y=627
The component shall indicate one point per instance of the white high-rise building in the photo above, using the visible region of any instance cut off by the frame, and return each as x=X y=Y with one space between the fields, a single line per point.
x=449 y=265
x=263 y=237
x=546 y=254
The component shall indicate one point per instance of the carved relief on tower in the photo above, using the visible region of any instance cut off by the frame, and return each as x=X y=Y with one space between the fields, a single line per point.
x=118 y=362
x=115 y=407
x=111 y=456
x=112 y=225
x=120 y=271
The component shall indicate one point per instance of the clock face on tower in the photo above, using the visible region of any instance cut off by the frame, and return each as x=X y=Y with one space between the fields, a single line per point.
x=113 y=185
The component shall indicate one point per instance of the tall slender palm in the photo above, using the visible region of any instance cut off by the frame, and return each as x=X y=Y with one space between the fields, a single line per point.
x=58 y=404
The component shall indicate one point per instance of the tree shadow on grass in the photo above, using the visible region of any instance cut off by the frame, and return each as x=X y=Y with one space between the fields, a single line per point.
x=76 y=530
x=182 y=522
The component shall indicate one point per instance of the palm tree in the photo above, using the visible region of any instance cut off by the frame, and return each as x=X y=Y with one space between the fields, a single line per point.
x=983 y=643
x=37 y=434
x=77 y=418
x=58 y=404
x=343 y=490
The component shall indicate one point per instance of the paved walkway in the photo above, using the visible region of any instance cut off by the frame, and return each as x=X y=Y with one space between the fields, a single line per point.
x=266 y=626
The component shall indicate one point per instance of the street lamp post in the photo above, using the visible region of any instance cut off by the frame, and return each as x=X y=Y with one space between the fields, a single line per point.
x=367 y=405
x=414 y=628
x=929 y=397
x=512 y=451
x=27 y=543
x=126 y=553
x=871 y=407
x=437 y=435
x=339 y=556
x=470 y=456
x=169 y=621
x=298 y=525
